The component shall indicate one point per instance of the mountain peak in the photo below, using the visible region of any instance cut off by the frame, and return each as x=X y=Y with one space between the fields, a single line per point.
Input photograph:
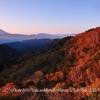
x=3 y=32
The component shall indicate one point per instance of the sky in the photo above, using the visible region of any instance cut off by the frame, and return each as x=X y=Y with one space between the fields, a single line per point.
x=49 y=16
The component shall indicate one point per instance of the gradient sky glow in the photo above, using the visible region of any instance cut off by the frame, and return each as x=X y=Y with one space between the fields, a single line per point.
x=49 y=16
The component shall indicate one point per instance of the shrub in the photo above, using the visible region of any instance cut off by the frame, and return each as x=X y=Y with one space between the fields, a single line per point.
x=83 y=84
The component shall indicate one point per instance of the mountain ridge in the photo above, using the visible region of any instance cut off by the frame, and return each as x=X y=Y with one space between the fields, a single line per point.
x=73 y=63
x=33 y=45
x=7 y=37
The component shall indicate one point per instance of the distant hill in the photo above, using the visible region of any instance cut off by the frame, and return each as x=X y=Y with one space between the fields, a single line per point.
x=8 y=37
x=34 y=45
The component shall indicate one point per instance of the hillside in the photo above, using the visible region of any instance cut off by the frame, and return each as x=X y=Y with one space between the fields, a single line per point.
x=73 y=65
x=7 y=55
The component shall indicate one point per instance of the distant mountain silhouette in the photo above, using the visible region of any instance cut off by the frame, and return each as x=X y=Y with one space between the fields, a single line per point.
x=6 y=37
x=33 y=45
x=3 y=32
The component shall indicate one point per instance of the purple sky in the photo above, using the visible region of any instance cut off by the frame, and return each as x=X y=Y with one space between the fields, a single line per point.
x=49 y=16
